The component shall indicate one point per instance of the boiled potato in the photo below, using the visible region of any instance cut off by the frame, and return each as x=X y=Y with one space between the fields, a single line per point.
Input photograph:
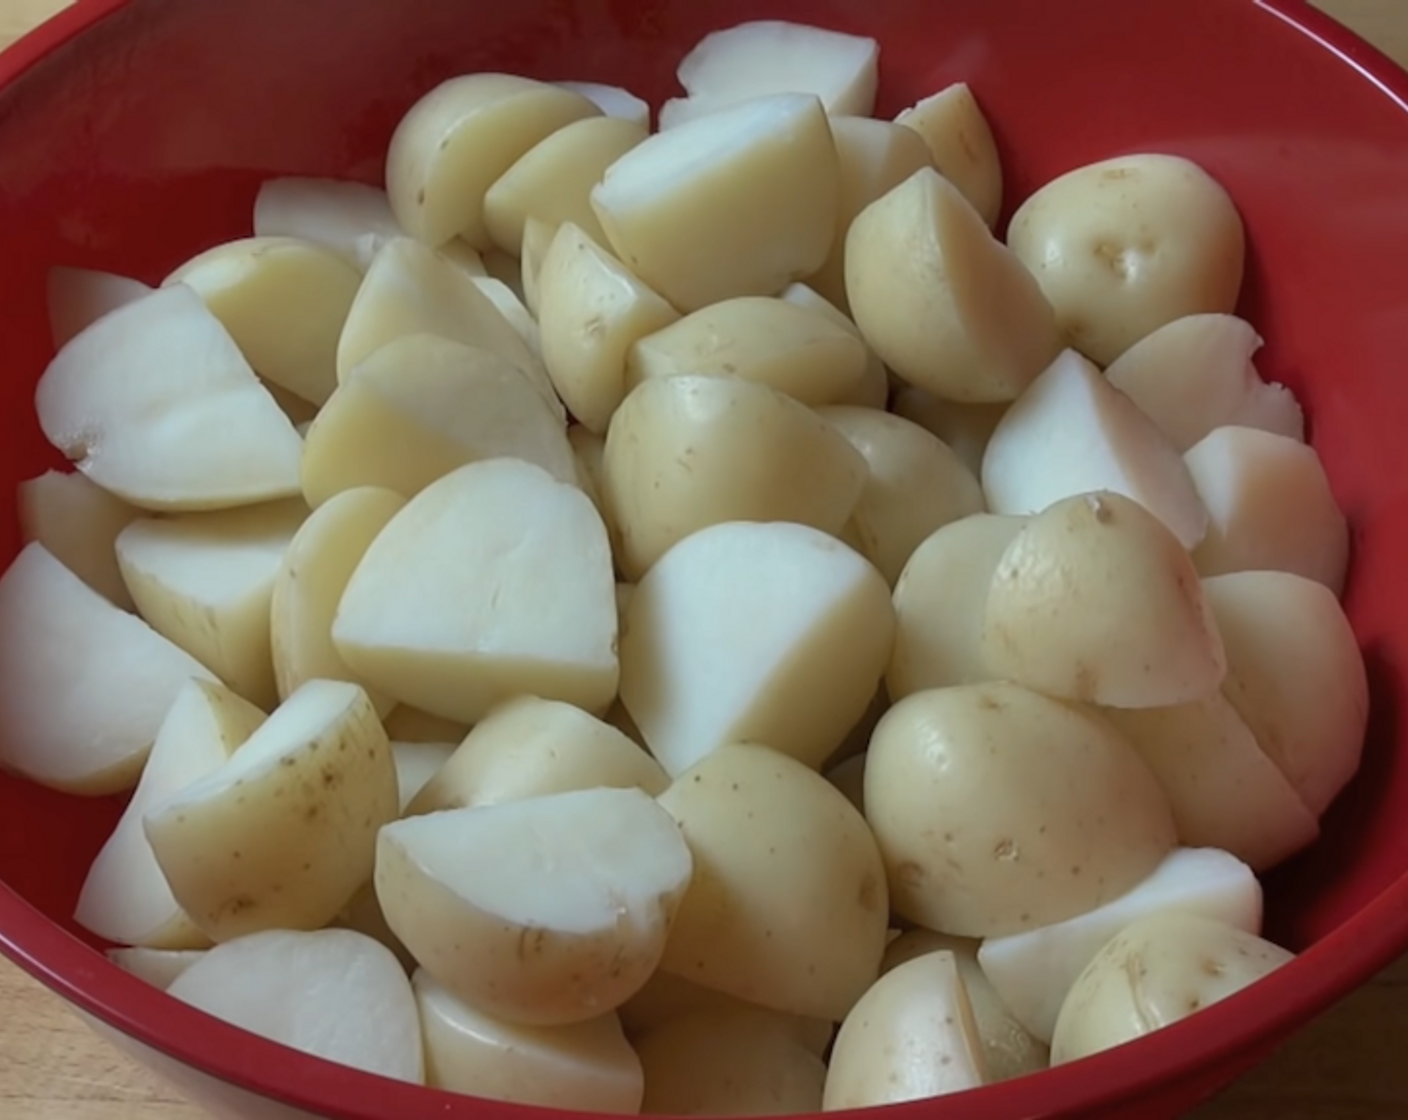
x=961 y=145
x=1096 y=600
x=78 y=522
x=787 y=908
x=333 y=994
x=362 y=914
x=206 y=582
x=586 y=1067
x=545 y=911
x=79 y=297
x=508 y=301
x=753 y=632
x=543 y=624
x=966 y=428
x=684 y=453
x=282 y=834
x=84 y=686
x=999 y=810
x=156 y=404
x=944 y=304
x=872 y=388
x=738 y=203
x=1128 y=245
x=1154 y=973
x=354 y=220
x=537 y=239
x=458 y=139
x=411 y=725
x=614 y=101
x=157 y=967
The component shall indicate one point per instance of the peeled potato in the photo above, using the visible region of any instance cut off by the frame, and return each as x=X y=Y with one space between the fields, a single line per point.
x=78 y=522
x=79 y=297
x=508 y=301
x=966 y=428
x=872 y=389
x=537 y=239
x=352 y=219
x=961 y=145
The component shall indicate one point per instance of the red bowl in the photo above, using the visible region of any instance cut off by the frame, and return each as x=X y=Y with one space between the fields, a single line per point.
x=133 y=134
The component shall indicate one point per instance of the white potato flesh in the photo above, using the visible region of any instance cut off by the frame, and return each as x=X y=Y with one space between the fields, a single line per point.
x=206 y=582
x=911 y=1037
x=157 y=967
x=1073 y=433
x=999 y=810
x=421 y=407
x=529 y=747
x=155 y=403
x=872 y=388
x=1128 y=245
x=940 y=603
x=284 y=833
x=614 y=101
x=354 y=220
x=334 y=994
x=758 y=338
x=458 y=139
x=79 y=297
x=966 y=428
x=537 y=239
x=1033 y=972
x=961 y=145
x=1296 y=674
x=493 y=582
x=1154 y=973
x=308 y=586
x=946 y=306
x=1196 y=374
x=728 y=1063
x=849 y=778
x=591 y=312
x=1224 y=791
x=84 y=686
x=738 y=203
x=545 y=911
x=586 y=1067
x=510 y=305
x=416 y=765
x=125 y=897
x=916 y=485
x=684 y=453
x=1095 y=600
x=754 y=632
x=787 y=908
x=78 y=522
x=1269 y=506
x=410 y=725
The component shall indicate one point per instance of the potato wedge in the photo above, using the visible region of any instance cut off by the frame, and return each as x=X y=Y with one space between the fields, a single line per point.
x=961 y=145
x=78 y=522
x=872 y=389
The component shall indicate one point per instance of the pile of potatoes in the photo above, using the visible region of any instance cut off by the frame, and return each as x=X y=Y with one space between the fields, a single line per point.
x=687 y=621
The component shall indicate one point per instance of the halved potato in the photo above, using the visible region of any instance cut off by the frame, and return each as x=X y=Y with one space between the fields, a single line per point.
x=961 y=145
x=78 y=522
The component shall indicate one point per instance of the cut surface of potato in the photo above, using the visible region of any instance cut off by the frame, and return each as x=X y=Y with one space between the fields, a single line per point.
x=354 y=220
x=78 y=522
x=79 y=297
x=84 y=686
x=158 y=967
x=525 y=562
x=961 y=145
x=614 y=101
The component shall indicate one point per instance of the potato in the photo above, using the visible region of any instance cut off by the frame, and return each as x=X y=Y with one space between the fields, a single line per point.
x=405 y=724
x=467 y=259
x=1153 y=974
x=156 y=404
x=1032 y=972
x=284 y=302
x=79 y=297
x=1128 y=245
x=737 y=1063
x=751 y=632
x=872 y=389
x=916 y=485
x=966 y=428
x=592 y=312
x=125 y=897
x=283 y=834
x=545 y=911
x=911 y=1037
x=586 y=1067
x=416 y=764
x=613 y=101
x=944 y=304
x=528 y=747
x=158 y=967
x=1269 y=506
x=1071 y=433
x=362 y=914
x=1224 y=792
x=354 y=220
x=961 y=145
x=1296 y=675
x=537 y=239
x=509 y=303
x=1196 y=374
x=543 y=623
x=738 y=203
x=940 y=602
x=787 y=908
x=78 y=522
x=684 y=453
x=206 y=582
x=458 y=139
x=998 y=810
x=419 y=408
x=757 y=338
x=1095 y=600
x=333 y=994
x=84 y=686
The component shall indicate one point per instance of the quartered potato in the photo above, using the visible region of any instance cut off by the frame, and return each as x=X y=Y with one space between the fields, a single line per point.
x=353 y=220
x=872 y=389
x=537 y=239
x=961 y=145
x=508 y=301
x=79 y=297
x=78 y=522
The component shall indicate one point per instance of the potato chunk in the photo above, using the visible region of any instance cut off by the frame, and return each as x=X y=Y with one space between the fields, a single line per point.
x=961 y=144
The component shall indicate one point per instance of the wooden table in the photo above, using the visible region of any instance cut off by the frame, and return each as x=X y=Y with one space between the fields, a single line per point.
x=1349 y=1065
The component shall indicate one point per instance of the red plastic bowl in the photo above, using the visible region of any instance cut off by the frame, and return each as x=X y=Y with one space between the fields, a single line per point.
x=134 y=134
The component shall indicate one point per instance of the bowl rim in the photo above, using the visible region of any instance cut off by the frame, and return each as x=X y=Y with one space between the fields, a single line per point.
x=1236 y=1027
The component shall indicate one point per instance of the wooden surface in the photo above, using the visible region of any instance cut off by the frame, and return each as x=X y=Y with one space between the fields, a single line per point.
x=1347 y=1066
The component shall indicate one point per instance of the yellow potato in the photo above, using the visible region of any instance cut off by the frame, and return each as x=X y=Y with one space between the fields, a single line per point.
x=78 y=522
x=872 y=389
x=961 y=145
